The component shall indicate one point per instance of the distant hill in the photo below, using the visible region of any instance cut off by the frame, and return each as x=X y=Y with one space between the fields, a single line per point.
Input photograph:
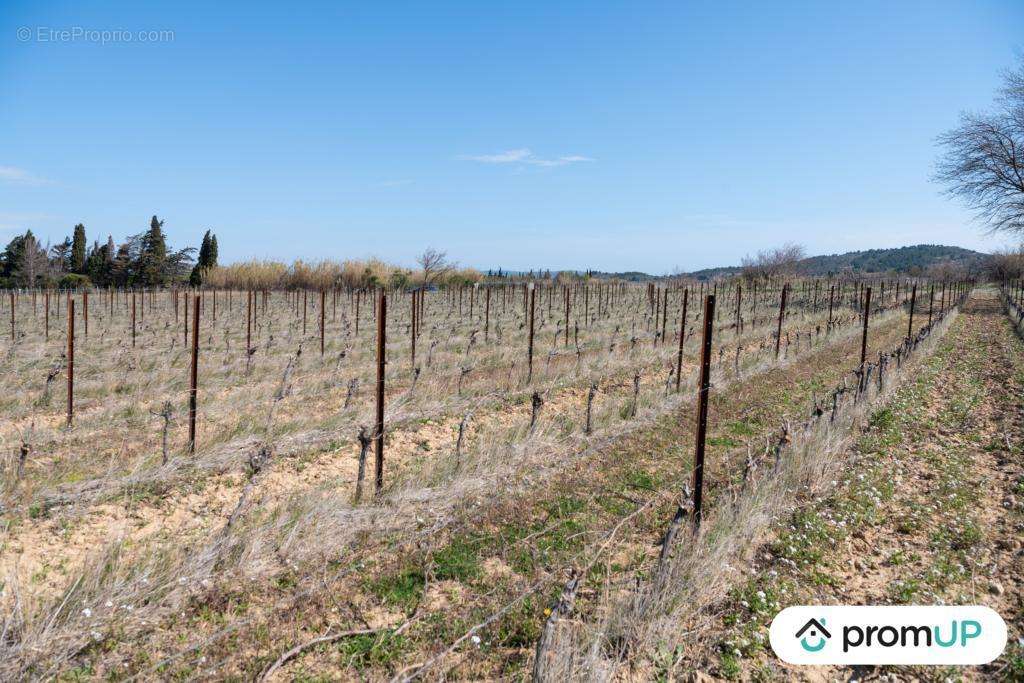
x=910 y=260
x=901 y=260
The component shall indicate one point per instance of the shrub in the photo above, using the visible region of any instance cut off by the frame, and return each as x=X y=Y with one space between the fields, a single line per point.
x=74 y=281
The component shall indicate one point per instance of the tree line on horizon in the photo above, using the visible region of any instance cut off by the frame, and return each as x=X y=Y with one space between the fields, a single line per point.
x=142 y=260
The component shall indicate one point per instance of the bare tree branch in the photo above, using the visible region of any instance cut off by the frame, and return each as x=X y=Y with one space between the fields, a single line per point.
x=983 y=162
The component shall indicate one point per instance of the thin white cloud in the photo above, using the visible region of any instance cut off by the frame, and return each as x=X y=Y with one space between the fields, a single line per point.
x=523 y=157
x=19 y=176
x=509 y=157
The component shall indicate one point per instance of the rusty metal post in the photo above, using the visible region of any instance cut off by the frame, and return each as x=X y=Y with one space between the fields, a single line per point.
x=193 y=383
x=586 y=304
x=931 y=303
x=487 y=312
x=664 y=318
x=133 y=318
x=378 y=435
x=566 y=316
x=85 y=311
x=46 y=308
x=412 y=332
x=529 y=348
x=323 y=318
x=248 y=322
x=913 y=300
x=702 y=410
x=12 y=315
x=739 y=299
x=71 y=360
x=782 y=313
x=864 y=337
x=831 y=296
x=682 y=338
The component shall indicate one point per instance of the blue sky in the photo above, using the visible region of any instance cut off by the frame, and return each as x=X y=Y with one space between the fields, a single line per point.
x=617 y=136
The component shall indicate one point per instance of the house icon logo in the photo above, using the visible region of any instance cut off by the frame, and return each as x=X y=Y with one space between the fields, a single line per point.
x=815 y=631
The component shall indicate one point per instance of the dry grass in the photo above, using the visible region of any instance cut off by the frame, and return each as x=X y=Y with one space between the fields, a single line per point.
x=319 y=275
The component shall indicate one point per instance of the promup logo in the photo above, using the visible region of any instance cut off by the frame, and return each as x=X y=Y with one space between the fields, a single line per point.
x=816 y=630
x=888 y=635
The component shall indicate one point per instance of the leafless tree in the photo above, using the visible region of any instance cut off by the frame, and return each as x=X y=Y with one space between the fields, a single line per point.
x=1004 y=264
x=983 y=161
x=771 y=263
x=946 y=271
x=434 y=264
x=33 y=264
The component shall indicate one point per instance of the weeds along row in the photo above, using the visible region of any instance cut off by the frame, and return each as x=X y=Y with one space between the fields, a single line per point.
x=1011 y=294
x=662 y=613
x=607 y=554
x=599 y=527
x=129 y=398
x=322 y=522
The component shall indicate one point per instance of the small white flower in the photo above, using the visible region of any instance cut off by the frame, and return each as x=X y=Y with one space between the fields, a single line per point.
x=476 y=640
x=87 y=612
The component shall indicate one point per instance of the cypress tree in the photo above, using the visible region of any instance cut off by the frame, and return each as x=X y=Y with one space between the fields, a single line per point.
x=153 y=255
x=207 y=259
x=78 y=250
x=94 y=264
x=196 y=277
x=204 y=252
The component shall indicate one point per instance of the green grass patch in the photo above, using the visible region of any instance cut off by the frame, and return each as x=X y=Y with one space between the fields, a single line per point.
x=403 y=589
x=458 y=561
